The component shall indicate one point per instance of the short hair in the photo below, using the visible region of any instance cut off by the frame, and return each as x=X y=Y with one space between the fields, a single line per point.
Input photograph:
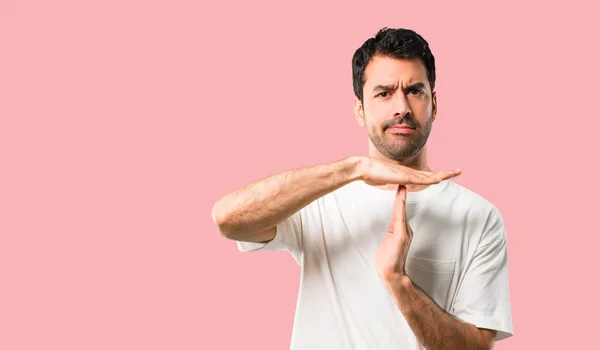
x=397 y=43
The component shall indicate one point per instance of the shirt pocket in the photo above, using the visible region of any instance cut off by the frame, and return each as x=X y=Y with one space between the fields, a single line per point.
x=434 y=277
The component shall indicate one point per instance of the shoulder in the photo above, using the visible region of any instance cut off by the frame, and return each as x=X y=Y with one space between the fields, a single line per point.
x=472 y=200
x=477 y=208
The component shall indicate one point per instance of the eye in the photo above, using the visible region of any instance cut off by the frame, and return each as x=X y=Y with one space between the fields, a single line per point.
x=417 y=92
x=382 y=94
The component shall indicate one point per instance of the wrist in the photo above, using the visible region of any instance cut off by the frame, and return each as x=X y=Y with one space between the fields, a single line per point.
x=399 y=288
x=399 y=282
x=355 y=166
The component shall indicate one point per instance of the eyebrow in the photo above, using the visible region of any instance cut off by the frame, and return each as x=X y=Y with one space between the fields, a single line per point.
x=418 y=85
x=415 y=86
x=385 y=87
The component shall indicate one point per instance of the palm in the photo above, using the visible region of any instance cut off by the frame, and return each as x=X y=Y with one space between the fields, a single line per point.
x=386 y=257
x=382 y=173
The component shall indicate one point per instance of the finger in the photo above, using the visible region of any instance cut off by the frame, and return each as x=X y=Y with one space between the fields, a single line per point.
x=451 y=173
x=424 y=179
x=393 y=221
x=442 y=175
x=447 y=174
x=428 y=178
x=399 y=210
x=407 y=227
x=391 y=225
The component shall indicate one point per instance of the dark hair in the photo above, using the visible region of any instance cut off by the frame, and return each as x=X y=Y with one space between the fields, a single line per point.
x=396 y=43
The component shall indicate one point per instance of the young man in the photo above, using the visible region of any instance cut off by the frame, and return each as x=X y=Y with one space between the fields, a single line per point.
x=393 y=255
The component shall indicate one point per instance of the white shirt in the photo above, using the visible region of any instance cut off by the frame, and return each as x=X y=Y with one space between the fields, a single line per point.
x=458 y=256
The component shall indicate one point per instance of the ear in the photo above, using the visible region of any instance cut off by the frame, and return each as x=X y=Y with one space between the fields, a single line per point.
x=434 y=105
x=359 y=113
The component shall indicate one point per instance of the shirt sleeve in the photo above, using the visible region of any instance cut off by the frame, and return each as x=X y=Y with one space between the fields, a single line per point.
x=288 y=237
x=483 y=298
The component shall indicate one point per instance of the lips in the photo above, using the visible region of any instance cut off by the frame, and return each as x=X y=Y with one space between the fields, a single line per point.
x=401 y=128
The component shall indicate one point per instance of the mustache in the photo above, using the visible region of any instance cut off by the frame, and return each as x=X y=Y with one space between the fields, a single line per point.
x=406 y=120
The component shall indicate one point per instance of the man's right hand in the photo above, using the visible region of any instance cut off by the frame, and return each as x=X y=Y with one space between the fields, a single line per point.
x=377 y=173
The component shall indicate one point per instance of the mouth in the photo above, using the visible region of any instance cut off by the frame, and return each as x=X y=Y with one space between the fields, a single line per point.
x=401 y=128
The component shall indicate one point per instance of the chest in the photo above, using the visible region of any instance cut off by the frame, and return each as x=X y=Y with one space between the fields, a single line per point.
x=346 y=229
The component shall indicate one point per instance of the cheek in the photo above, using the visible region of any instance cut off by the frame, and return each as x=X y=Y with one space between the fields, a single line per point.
x=374 y=126
x=377 y=115
x=422 y=106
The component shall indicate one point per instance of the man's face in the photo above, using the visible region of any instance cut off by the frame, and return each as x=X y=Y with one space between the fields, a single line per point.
x=396 y=93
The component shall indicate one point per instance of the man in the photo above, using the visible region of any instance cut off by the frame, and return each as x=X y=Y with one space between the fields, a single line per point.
x=393 y=255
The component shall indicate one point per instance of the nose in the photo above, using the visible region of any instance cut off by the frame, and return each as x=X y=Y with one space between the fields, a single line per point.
x=401 y=107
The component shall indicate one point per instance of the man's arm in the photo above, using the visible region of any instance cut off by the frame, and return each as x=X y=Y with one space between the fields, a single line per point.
x=252 y=212
x=433 y=327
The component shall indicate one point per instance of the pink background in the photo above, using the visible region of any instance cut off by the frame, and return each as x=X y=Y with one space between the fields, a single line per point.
x=122 y=122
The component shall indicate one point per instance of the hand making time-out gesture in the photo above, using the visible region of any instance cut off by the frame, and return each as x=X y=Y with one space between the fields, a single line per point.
x=390 y=257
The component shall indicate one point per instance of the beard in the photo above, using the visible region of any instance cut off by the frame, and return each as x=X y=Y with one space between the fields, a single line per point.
x=400 y=147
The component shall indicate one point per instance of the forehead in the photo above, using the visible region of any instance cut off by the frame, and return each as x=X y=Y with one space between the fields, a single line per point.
x=384 y=70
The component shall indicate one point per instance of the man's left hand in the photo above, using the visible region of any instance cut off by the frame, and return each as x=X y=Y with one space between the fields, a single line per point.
x=390 y=257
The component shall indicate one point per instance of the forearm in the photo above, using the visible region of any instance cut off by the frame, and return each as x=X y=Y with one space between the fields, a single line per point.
x=263 y=204
x=433 y=327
